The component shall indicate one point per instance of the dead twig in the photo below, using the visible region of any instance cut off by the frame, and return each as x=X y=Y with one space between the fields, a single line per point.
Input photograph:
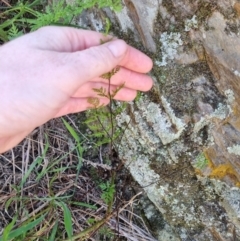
x=5 y=2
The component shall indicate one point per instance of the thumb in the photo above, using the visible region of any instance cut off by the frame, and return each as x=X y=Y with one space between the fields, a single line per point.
x=97 y=60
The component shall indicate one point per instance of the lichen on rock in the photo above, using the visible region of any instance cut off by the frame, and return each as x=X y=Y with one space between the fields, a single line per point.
x=169 y=45
x=193 y=109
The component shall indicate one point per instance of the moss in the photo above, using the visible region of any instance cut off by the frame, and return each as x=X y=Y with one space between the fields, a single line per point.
x=205 y=10
x=168 y=5
x=175 y=83
x=179 y=23
x=206 y=154
x=173 y=173
x=183 y=195
x=159 y=25
x=154 y=96
x=232 y=28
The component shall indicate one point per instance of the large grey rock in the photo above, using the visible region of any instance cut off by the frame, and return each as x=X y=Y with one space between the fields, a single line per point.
x=183 y=141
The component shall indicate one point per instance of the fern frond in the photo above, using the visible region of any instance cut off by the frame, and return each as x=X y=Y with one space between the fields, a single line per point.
x=58 y=12
x=14 y=32
x=95 y=102
x=108 y=191
x=101 y=92
x=115 y=5
x=110 y=74
x=117 y=90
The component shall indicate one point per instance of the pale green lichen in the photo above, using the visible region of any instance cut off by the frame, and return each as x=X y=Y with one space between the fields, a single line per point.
x=235 y=149
x=231 y=197
x=161 y=122
x=220 y=113
x=170 y=44
x=230 y=95
x=191 y=23
x=167 y=234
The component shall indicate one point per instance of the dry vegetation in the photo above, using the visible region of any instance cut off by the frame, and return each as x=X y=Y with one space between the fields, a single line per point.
x=40 y=178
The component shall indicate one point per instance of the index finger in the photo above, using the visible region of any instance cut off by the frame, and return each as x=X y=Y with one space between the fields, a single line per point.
x=136 y=60
x=66 y=39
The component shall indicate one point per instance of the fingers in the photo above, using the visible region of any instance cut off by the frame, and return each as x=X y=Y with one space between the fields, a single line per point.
x=111 y=54
x=137 y=61
x=81 y=99
x=90 y=63
x=66 y=39
x=75 y=105
x=95 y=61
x=92 y=89
x=130 y=79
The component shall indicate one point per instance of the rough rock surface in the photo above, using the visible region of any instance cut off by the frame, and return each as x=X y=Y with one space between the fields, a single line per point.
x=182 y=143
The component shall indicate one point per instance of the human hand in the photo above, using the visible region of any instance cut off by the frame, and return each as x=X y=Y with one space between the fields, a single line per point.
x=52 y=72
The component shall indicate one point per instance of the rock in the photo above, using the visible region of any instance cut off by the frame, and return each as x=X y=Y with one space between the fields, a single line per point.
x=183 y=142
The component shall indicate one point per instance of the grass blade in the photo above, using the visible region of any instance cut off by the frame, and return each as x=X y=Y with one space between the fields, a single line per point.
x=23 y=229
x=71 y=131
x=32 y=166
x=67 y=218
x=54 y=231
x=8 y=229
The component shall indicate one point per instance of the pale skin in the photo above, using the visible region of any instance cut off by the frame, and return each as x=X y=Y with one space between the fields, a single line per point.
x=52 y=73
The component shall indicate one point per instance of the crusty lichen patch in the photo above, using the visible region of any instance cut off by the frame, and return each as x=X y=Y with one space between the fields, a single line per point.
x=169 y=45
x=234 y=150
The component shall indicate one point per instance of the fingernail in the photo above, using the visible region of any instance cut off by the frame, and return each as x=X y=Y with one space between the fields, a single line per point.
x=117 y=47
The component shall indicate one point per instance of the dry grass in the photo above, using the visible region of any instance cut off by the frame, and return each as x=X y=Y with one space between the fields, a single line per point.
x=40 y=177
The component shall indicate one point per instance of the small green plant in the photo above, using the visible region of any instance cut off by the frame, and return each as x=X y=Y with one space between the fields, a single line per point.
x=201 y=162
x=27 y=16
x=108 y=191
x=67 y=217
x=106 y=233
x=100 y=120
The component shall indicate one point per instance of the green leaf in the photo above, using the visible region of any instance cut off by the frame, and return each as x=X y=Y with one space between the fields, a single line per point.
x=8 y=229
x=108 y=191
x=14 y=32
x=91 y=221
x=67 y=218
x=54 y=231
x=3 y=35
x=71 y=131
x=23 y=229
x=32 y=166
x=108 y=26
x=8 y=203
x=84 y=205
